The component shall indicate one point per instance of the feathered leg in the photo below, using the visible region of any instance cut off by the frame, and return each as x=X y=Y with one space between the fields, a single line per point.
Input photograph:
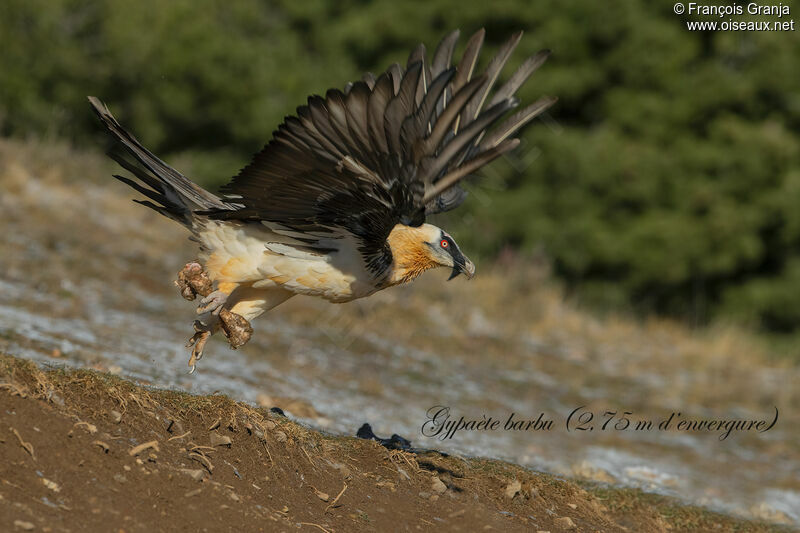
x=192 y=281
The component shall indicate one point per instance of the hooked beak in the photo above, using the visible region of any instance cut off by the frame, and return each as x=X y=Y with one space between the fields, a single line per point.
x=464 y=266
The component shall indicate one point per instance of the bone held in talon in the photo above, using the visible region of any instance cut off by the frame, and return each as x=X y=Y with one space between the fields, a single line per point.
x=235 y=327
x=192 y=280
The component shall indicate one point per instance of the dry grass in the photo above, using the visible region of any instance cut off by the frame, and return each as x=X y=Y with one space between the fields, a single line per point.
x=67 y=225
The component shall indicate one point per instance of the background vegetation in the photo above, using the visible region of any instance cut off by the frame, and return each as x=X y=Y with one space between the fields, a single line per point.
x=666 y=179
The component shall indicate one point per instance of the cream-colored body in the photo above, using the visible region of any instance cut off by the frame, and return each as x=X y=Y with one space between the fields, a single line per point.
x=260 y=266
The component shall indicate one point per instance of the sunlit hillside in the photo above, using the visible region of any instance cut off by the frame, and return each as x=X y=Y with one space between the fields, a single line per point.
x=86 y=280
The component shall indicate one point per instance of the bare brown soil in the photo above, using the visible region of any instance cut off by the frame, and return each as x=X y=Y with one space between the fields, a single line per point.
x=85 y=451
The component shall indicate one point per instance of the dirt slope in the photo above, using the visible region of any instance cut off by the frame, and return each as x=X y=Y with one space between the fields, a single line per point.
x=84 y=451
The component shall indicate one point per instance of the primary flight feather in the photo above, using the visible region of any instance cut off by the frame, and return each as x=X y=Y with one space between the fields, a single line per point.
x=335 y=204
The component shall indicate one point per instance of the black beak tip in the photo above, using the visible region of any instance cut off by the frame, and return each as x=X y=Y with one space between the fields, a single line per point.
x=466 y=268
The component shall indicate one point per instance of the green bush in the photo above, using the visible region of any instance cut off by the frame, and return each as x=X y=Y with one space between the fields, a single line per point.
x=666 y=179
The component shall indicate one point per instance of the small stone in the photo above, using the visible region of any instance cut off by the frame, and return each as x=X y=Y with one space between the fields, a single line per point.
x=565 y=522
x=386 y=484
x=572 y=506
x=196 y=474
x=220 y=440
x=438 y=486
x=280 y=436
x=56 y=399
x=116 y=416
x=175 y=427
x=513 y=488
x=590 y=471
x=343 y=470
x=119 y=478
x=194 y=492
x=424 y=495
x=21 y=524
x=52 y=485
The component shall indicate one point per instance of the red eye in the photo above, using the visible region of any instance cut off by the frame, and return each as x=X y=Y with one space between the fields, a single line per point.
x=444 y=243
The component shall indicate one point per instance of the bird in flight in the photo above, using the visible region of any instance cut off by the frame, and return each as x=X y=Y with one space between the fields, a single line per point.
x=335 y=205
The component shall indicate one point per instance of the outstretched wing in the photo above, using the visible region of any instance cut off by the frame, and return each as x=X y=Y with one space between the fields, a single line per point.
x=384 y=151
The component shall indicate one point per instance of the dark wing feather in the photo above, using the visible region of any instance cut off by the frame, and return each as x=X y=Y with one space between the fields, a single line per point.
x=385 y=150
x=440 y=63
x=418 y=56
x=443 y=54
x=521 y=75
x=376 y=109
x=466 y=67
x=402 y=105
x=492 y=72
x=513 y=123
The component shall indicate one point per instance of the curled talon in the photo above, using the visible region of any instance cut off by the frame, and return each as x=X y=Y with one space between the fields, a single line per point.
x=198 y=343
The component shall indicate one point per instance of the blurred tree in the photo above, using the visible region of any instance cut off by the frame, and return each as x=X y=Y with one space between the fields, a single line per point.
x=666 y=179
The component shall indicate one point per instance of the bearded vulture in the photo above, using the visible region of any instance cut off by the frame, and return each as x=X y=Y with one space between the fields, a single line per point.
x=335 y=204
